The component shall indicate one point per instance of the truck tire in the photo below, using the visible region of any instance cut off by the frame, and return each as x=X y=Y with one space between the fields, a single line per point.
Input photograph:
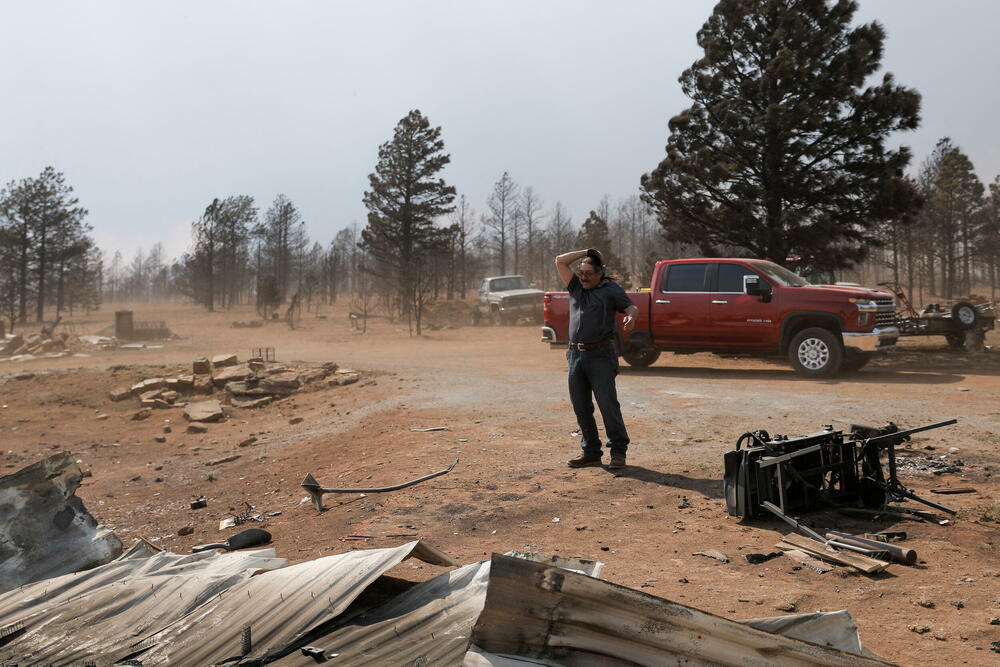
x=964 y=314
x=497 y=317
x=640 y=357
x=816 y=353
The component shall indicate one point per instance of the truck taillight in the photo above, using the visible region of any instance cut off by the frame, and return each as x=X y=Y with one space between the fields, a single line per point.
x=545 y=307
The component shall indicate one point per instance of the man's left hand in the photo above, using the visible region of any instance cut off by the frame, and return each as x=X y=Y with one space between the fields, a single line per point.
x=628 y=323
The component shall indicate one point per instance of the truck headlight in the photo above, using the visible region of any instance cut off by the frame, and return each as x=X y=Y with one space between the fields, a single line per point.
x=866 y=311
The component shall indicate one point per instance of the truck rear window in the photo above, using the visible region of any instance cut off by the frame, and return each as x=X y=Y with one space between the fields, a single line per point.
x=686 y=278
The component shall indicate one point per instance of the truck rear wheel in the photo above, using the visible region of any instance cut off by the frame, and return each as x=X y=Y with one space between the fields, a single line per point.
x=640 y=357
x=816 y=352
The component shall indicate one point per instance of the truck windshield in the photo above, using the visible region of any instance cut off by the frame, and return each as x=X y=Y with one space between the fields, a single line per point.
x=781 y=275
x=511 y=282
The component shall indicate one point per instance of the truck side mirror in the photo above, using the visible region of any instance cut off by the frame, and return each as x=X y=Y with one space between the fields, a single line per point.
x=754 y=286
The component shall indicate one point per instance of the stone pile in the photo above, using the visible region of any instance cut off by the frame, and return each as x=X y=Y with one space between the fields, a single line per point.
x=42 y=344
x=248 y=385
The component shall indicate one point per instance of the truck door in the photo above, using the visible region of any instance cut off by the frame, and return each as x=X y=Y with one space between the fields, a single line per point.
x=739 y=320
x=679 y=313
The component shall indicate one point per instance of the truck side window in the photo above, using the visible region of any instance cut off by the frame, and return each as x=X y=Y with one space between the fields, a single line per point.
x=730 y=278
x=686 y=278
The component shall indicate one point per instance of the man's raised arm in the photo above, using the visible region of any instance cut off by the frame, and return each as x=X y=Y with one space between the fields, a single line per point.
x=563 y=262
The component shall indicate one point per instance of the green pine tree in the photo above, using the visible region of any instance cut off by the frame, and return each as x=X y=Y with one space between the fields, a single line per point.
x=406 y=196
x=783 y=151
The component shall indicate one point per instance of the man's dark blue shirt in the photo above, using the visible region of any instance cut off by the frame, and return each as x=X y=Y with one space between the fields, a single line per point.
x=592 y=311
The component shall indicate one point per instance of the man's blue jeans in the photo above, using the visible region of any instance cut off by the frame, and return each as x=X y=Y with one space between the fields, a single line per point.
x=592 y=373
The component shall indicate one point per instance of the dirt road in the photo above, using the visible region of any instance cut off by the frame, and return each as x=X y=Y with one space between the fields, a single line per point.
x=502 y=396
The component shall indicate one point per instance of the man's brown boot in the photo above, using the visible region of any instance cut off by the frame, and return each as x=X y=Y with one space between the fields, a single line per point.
x=585 y=460
x=617 y=462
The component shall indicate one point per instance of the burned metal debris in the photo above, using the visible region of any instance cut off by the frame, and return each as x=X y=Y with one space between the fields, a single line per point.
x=316 y=491
x=45 y=530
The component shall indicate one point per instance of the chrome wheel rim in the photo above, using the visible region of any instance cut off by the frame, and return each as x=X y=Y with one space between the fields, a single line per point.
x=966 y=315
x=813 y=354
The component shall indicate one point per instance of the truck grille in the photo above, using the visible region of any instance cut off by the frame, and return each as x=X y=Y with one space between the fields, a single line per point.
x=886 y=315
x=525 y=300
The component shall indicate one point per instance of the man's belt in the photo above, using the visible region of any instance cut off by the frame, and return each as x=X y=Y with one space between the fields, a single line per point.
x=589 y=346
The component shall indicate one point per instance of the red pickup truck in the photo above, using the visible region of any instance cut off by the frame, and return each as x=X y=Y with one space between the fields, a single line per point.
x=746 y=306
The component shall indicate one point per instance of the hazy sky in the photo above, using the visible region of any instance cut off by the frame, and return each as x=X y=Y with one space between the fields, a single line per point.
x=153 y=109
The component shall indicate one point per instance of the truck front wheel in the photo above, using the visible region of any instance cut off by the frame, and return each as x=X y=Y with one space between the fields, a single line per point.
x=640 y=357
x=816 y=352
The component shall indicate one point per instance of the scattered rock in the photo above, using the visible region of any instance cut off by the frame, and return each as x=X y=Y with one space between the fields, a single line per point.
x=204 y=411
x=221 y=360
x=25 y=375
x=199 y=503
x=101 y=418
x=225 y=459
x=713 y=553
x=186 y=530
x=250 y=404
x=757 y=559
x=167 y=429
x=281 y=383
x=926 y=604
x=230 y=374
x=789 y=607
x=295 y=420
x=919 y=629
x=995 y=621
x=150 y=395
x=249 y=441
x=341 y=378
x=159 y=438
x=684 y=503
x=197 y=428
x=156 y=403
x=120 y=394
x=202 y=384
x=201 y=366
x=144 y=413
x=170 y=396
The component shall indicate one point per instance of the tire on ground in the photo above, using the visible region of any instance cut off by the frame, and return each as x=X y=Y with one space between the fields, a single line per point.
x=816 y=352
x=964 y=314
x=640 y=357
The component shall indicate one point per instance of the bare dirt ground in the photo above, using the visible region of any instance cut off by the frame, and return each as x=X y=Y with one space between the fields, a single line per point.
x=502 y=396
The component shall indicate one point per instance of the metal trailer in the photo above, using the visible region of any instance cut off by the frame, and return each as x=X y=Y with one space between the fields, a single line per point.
x=964 y=324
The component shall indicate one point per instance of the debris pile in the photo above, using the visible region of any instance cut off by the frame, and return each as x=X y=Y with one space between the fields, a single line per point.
x=224 y=380
x=45 y=344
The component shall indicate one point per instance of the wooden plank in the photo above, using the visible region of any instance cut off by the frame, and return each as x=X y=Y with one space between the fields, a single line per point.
x=818 y=549
x=803 y=558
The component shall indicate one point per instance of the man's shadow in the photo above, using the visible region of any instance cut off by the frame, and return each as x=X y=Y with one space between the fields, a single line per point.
x=710 y=488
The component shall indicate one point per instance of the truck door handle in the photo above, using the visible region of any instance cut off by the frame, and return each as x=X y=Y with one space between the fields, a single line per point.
x=663 y=301
x=719 y=301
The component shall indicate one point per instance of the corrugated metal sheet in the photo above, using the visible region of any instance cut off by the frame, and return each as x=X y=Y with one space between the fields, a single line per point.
x=430 y=624
x=279 y=607
x=545 y=613
x=92 y=614
x=45 y=530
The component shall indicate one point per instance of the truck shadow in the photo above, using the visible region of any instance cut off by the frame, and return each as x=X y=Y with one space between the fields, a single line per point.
x=876 y=375
x=710 y=488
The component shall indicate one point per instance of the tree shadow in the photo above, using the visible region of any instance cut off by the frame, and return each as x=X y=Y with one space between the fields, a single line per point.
x=710 y=488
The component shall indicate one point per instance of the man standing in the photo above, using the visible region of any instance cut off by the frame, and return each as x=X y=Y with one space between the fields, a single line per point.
x=592 y=359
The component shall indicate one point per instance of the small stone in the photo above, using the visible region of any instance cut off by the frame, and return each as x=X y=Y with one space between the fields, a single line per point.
x=926 y=604
x=101 y=418
x=221 y=360
x=605 y=548
x=120 y=394
x=919 y=629
x=202 y=384
x=142 y=414
x=167 y=429
x=197 y=428
x=581 y=528
x=296 y=420
x=249 y=441
x=995 y=621
x=201 y=366
x=186 y=530
x=160 y=438
x=683 y=580
x=204 y=411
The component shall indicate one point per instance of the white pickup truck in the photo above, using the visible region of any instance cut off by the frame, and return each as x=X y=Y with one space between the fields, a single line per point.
x=505 y=300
